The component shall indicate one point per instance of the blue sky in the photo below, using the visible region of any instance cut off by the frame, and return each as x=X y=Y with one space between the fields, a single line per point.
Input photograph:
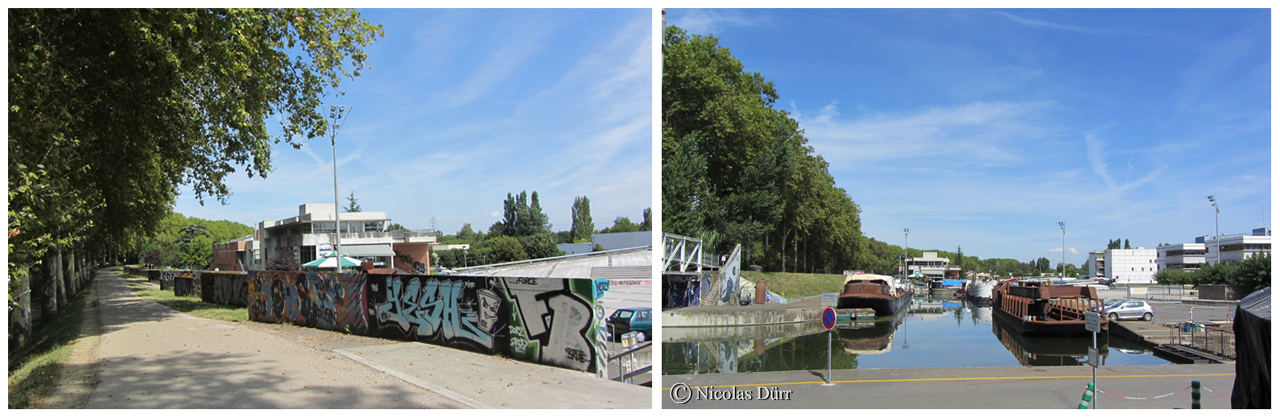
x=985 y=128
x=462 y=107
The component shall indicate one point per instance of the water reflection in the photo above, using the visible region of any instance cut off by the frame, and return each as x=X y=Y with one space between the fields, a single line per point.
x=931 y=333
x=1048 y=351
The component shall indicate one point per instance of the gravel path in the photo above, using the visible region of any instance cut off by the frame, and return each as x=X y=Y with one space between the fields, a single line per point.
x=150 y=356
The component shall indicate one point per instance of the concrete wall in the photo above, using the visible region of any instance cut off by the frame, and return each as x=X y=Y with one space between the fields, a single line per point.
x=186 y=283
x=1222 y=292
x=328 y=301
x=548 y=321
x=225 y=288
x=559 y=322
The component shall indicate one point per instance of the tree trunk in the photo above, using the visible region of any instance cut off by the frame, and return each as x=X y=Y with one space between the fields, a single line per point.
x=73 y=278
x=50 y=289
x=20 y=320
x=795 y=251
x=60 y=277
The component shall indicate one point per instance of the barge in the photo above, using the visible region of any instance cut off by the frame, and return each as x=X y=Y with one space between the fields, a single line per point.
x=874 y=291
x=1041 y=308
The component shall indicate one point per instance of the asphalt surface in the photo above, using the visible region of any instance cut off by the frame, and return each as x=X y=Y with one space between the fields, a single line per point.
x=955 y=388
x=150 y=356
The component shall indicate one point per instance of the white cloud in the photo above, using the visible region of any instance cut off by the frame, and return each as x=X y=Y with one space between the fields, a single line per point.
x=710 y=21
x=1054 y=26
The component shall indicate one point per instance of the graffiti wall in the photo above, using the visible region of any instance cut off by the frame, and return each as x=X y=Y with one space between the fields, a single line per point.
x=463 y=312
x=187 y=283
x=548 y=321
x=225 y=288
x=329 y=301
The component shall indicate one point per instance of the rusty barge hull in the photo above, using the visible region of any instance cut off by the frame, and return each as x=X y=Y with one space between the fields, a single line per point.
x=883 y=304
x=1042 y=328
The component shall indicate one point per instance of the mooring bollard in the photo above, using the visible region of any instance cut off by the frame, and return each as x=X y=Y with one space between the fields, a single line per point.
x=1088 y=396
x=1195 y=394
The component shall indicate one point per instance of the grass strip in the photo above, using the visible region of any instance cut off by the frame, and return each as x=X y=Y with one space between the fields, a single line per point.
x=192 y=305
x=34 y=369
x=798 y=285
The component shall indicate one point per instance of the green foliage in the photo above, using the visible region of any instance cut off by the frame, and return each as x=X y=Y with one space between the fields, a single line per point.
x=734 y=165
x=507 y=249
x=583 y=226
x=540 y=246
x=621 y=224
x=352 y=204
x=1254 y=273
x=111 y=110
x=198 y=253
x=396 y=227
x=597 y=247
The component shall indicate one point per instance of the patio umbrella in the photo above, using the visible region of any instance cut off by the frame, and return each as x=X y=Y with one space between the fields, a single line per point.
x=330 y=261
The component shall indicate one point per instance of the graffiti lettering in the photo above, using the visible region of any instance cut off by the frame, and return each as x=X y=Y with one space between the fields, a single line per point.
x=419 y=267
x=328 y=301
x=554 y=316
x=440 y=311
x=576 y=355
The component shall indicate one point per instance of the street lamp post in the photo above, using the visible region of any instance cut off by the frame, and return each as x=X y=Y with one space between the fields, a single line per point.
x=1063 y=225
x=338 y=116
x=1217 y=248
x=905 y=244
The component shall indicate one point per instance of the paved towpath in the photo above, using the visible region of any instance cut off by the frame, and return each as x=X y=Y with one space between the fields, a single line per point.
x=149 y=356
x=1159 y=386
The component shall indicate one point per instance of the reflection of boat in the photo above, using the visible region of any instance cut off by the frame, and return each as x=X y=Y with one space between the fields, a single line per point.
x=1048 y=351
x=874 y=291
x=980 y=314
x=870 y=338
x=1037 y=307
x=944 y=288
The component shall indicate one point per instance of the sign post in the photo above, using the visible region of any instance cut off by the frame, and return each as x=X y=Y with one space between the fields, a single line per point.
x=1093 y=324
x=828 y=322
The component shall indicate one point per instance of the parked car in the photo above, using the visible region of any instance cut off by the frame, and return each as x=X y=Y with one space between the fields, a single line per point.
x=1130 y=309
x=632 y=319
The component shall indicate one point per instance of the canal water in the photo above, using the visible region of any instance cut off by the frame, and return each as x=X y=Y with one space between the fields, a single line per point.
x=932 y=334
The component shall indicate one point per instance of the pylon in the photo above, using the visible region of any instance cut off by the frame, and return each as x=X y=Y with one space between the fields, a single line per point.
x=1088 y=396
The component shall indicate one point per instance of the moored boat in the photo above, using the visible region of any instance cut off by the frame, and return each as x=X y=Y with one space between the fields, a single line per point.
x=1041 y=308
x=979 y=289
x=881 y=293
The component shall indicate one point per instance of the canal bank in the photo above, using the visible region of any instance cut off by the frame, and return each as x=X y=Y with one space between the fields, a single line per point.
x=1150 y=387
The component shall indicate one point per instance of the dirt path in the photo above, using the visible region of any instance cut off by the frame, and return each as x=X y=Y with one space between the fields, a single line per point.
x=140 y=354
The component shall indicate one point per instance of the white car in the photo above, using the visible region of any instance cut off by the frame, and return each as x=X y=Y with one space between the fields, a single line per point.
x=1130 y=309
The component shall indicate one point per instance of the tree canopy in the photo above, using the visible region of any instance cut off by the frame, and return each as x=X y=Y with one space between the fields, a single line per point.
x=736 y=169
x=111 y=110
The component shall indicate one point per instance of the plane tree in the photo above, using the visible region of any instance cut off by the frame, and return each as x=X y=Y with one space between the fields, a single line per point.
x=111 y=110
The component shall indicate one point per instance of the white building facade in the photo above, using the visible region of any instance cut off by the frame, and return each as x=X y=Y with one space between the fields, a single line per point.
x=1131 y=266
x=1184 y=257
x=312 y=234
x=1237 y=247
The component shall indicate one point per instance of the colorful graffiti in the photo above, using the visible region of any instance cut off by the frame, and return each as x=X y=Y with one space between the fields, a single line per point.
x=187 y=283
x=166 y=279
x=455 y=311
x=225 y=288
x=553 y=322
x=329 y=301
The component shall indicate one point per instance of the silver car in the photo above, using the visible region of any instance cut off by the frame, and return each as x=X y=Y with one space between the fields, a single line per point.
x=1130 y=309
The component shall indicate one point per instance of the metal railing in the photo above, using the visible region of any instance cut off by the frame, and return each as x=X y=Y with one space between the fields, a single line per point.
x=1216 y=341
x=628 y=367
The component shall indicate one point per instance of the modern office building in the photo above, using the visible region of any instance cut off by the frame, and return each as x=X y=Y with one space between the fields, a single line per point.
x=312 y=234
x=1237 y=246
x=1130 y=266
x=1097 y=264
x=931 y=266
x=1184 y=257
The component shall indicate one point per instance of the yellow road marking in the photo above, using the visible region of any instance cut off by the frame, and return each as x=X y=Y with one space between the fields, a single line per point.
x=967 y=378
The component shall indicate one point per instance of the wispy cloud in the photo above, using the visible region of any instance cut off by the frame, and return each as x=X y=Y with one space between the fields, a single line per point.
x=1054 y=26
x=1059 y=250
x=973 y=132
x=711 y=21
